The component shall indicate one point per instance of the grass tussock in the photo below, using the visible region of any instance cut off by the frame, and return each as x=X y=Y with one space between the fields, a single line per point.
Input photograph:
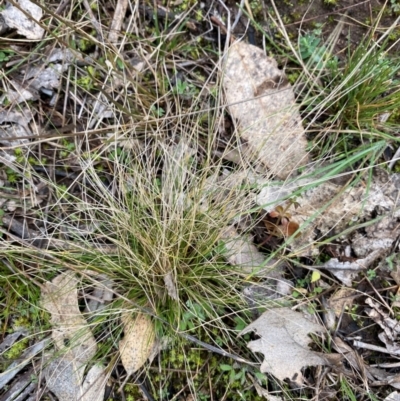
x=137 y=196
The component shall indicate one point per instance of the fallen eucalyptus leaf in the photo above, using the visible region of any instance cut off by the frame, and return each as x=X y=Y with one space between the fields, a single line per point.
x=64 y=380
x=71 y=332
x=284 y=342
x=72 y=335
x=139 y=340
x=261 y=99
x=347 y=271
x=242 y=252
x=94 y=386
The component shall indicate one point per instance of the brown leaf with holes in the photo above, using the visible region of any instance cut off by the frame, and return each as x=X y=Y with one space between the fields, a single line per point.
x=138 y=342
x=342 y=299
x=262 y=102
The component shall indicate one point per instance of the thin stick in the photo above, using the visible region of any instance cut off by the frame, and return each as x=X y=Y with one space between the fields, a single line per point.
x=118 y=18
x=93 y=19
x=372 y=347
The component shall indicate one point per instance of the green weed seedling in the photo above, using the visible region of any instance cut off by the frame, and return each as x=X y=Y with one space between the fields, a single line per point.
x=183 y=88
x=395 y=6
x=371 y=274
x=330 y=2
x=157 y=111
x=5 y=55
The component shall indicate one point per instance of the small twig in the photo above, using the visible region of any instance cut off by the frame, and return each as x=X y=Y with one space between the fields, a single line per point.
x=116 y=23
x=36 y=240
x=229 y=36
x=361 y=344
x=162 y=12
x=93 y=19
x=337 y=12
x=386 y=365
x=216 y=349
x=238 y=15
x=220 y=25
x=61 y=6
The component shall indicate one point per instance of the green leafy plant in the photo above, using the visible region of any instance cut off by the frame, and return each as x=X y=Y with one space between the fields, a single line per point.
x=395 y=6
x=309 y=45
x=184 y=88
x=5 y=55
x=157 y=111
x=330 y=2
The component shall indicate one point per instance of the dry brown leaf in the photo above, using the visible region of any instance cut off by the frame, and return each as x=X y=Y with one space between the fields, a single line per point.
x=15 y=124
x=391 y=329
x=70 y=330
x=261 y=99
x=351 y=356
x=170 y=285
x=284 y=343
x=17 y=93
x=347 y=271
x=241 y=251
x=331 y=207
x=64 y=381
x=71 y=333
x=341 y=299
x=138 y=342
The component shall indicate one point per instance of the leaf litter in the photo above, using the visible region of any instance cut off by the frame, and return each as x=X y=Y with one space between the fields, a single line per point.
x=262 y=104
x=284 y=342
x=270 y=111
x=261 y=100
x=74 y=340
x=14 y=18
x=138 y=342
x=60 y=298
